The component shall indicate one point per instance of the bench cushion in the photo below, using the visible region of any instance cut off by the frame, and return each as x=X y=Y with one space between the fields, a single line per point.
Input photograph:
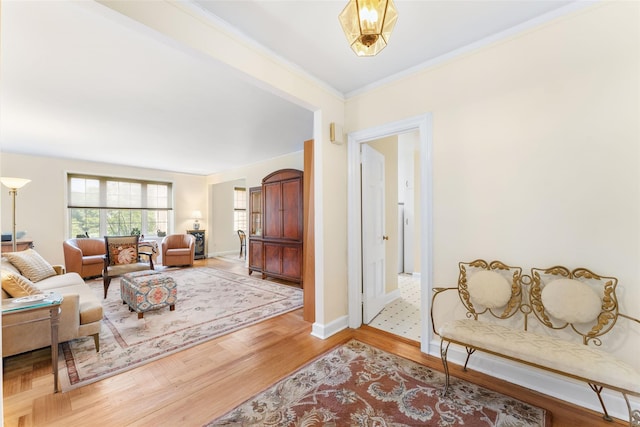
x=556 y=354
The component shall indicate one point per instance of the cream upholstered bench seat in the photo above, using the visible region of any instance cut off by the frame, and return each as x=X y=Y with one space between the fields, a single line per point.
x=561 y=356
x=503 y=306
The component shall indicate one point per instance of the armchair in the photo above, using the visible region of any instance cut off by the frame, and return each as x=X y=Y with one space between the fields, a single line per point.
x=178 y=249
x=122 y=256
x=84 y=256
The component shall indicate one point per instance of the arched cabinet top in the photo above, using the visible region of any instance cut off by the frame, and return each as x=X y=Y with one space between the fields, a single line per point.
x=282 y=175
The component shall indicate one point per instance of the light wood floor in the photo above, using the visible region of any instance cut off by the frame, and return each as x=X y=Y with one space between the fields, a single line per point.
x=201 y=383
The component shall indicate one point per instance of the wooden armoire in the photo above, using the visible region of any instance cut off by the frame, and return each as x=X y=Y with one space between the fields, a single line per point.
x=276 y=226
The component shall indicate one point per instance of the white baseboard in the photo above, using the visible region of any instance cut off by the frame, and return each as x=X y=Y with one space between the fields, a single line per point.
x=563 y=388
x=325 y=331
x=222 y=253
x=391 y=296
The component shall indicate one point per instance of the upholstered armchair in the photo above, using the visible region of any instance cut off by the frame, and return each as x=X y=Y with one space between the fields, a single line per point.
x=122 y=256
x=84 y=256
x=178 y=249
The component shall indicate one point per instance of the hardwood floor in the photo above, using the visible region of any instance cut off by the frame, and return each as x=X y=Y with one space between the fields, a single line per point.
x=201 y=383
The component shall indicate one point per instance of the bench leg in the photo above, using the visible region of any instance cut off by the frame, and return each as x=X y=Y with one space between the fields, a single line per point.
x=634 y=415
x=443 y=355
x=470 y=351
x=598 y=390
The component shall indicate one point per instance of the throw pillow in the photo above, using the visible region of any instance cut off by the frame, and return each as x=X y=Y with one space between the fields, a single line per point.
x=571 y=301
x=123 y=253
x=31 y=265
x=489 y=289
x=17 y=286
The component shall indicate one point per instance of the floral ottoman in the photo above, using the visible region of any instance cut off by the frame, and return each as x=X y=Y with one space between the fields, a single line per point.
x=148 y=290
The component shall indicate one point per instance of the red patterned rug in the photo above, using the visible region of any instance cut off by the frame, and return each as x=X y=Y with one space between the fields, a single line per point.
x=359 y=385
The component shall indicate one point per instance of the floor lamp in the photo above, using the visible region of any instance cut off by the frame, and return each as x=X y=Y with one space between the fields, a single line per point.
x=14 y=184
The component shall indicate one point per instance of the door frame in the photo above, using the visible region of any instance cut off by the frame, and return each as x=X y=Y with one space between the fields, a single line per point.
x=424 y=125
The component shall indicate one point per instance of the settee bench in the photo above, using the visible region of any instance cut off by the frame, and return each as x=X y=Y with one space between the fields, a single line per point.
x=552 y=319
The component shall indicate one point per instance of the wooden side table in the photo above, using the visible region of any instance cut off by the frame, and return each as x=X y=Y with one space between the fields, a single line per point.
x=21 y=245
x=20 y=311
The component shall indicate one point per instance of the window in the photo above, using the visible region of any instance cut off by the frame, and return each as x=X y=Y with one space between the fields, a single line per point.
x=105 y=206
x=239 y=209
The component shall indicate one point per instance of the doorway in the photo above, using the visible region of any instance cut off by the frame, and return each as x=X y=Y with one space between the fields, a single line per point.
x=398 y=307
x=423 y=125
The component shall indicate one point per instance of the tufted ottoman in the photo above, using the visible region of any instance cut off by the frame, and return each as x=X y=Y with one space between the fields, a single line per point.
x=148 y=290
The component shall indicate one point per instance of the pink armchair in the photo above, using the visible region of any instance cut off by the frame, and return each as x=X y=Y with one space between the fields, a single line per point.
x=178 y=249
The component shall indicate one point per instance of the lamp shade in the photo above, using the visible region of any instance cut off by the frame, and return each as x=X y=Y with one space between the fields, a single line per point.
x=368 y=24
x=14 y=183
x=196 y=215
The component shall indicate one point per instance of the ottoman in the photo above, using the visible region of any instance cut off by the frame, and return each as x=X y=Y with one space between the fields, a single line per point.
x=148 y=290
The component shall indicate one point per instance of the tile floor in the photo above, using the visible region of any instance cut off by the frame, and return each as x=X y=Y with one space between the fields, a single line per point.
x=402 y=316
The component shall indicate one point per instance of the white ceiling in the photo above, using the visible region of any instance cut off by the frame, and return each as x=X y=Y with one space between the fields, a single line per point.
x=80 y=81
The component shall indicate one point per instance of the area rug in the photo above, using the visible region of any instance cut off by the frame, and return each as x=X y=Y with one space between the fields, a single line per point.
x=210 y=303
x=360 y=385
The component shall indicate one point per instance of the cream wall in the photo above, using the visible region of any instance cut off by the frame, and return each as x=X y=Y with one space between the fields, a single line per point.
x=221 y=237
x=253 y=174
x=41 y=204
x=535 y=150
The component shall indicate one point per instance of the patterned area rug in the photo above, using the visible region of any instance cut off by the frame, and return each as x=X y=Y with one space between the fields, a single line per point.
x=359 y=385
x=210 y=303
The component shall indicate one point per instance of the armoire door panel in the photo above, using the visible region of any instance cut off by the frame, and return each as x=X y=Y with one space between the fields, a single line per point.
x=255 y=255
x=292 y=261
x=272 y=258
x=292 y=210
x=272 y=210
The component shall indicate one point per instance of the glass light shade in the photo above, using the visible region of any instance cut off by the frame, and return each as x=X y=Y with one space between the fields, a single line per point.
x=368 y=24
x=14 y=183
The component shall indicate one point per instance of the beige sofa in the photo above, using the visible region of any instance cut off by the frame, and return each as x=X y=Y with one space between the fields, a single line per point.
x=81 y=313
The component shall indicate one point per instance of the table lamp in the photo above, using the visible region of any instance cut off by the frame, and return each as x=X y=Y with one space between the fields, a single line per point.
x=197 y=215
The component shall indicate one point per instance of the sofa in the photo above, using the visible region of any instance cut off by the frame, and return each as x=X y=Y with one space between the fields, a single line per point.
x=84 y=256
x=178 y=249
x=81 y=310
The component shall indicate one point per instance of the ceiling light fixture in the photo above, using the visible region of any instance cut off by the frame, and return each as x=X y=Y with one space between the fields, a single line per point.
x=368 y=25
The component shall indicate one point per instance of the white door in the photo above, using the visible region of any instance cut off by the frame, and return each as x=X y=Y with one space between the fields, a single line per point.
x=373 y=237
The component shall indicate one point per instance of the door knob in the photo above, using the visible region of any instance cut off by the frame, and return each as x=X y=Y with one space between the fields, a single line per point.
x=385 y=237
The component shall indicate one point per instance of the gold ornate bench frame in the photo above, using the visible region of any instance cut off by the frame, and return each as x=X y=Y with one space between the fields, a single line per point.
x=526 y=299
